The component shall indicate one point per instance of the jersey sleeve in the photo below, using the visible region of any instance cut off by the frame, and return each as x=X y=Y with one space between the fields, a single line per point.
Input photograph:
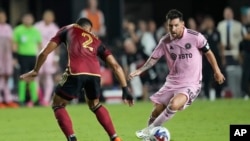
x=103 y=52
x=202 y=43
x=158 y=51
x=60 y=36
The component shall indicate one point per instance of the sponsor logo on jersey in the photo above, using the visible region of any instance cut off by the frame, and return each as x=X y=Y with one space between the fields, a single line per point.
x=185 y=56
x=188 y=46
x=173 y=56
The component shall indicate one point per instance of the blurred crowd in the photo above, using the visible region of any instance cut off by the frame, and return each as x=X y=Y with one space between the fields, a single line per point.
x=229 y=39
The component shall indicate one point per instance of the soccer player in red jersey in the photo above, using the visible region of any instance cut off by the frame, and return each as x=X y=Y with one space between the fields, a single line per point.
x=82 y=73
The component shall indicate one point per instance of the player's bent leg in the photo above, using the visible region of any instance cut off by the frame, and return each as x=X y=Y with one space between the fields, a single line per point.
x=62 y=116
x=103 y=117
x=158 y=108
x=176 y=103
x=144 y=133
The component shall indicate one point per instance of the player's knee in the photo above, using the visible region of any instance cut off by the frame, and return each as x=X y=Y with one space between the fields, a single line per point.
x=174 y=105
x=178 y=102
x=93 y=103
x=95 y=107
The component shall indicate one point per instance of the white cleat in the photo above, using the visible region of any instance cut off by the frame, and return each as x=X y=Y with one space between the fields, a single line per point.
x=143 y=134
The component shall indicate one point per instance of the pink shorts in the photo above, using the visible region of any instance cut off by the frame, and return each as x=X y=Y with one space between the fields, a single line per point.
x=6 y=62
x=168 y=91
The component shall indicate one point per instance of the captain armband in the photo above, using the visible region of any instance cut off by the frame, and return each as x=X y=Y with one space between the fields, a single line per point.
x=206 y=48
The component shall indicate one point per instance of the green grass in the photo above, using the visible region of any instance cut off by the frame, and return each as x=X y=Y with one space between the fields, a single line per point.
x=203 y=121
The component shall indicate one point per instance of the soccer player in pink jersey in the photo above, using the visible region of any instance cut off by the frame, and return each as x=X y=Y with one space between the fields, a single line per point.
x=48 y=29
x=183 y=49
x=6 y=64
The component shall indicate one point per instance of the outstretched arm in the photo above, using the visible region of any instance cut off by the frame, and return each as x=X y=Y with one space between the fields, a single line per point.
x=119 y=73
x=117 y=69
x=150 y=63
x=43 y=55
x=39 y=62
x=219 y=77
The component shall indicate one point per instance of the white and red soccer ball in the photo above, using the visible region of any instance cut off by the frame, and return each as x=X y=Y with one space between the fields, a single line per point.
x=159 y=133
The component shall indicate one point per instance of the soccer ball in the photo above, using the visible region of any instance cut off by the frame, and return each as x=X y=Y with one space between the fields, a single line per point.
x=159 y=133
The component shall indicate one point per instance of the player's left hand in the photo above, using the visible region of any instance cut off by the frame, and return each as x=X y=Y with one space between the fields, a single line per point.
x=127 y=96
x=29 y=76
x=219 y=77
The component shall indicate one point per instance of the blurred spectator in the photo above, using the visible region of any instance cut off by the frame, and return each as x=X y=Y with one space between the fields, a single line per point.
x=133 y=57
x=191 y=24
x=161 y=67
x=6 y=62
x=48 y=29
x=214 y=40
x=148 y=43
x=27 y=40
x=96 y=16
x=161 y=31
x=152 y=29
x=245 y=53
x=146 y=38
x=230 y=31
x=129 y=30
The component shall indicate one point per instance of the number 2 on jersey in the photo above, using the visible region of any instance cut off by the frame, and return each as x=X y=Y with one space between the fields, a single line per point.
x=87 y=42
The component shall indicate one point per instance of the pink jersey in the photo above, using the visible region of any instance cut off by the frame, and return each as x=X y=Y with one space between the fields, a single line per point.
x=5 y=49
x=183 y=56
x=47 y=32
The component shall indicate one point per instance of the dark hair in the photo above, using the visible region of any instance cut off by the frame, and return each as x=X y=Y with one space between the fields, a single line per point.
x=83 y=22
x=173 y=14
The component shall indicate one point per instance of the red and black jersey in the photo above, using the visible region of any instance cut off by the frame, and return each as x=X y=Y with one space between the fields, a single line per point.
x=83 y=50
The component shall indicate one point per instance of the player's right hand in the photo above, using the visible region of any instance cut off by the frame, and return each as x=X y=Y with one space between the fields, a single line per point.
x=127 y=96
x=134 y=74
x=219 y=77
x=29 y=76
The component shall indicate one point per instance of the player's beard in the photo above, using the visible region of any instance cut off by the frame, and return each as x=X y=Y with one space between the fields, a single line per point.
x=174 y=35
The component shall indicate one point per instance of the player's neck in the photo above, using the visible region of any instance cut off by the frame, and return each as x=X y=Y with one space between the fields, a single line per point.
x=181 y=35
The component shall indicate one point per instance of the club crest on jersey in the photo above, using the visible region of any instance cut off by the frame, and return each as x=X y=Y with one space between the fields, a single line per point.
x=188 y=46
x=173 y=56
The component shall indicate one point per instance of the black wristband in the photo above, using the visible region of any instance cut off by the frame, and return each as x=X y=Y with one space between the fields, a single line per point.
x=124 y=88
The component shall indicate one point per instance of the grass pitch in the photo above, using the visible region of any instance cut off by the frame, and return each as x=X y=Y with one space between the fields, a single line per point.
x=202 y=121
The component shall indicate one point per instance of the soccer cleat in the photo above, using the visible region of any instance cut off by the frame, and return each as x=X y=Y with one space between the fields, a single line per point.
x=73 y=138
x=12 y=105
x=144 y=133
x=116 y=139
x=2 y=106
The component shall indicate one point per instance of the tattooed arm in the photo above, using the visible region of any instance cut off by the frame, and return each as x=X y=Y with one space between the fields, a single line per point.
x=150 y=63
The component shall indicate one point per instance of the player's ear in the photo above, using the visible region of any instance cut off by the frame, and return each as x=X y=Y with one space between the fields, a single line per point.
x=183 y=23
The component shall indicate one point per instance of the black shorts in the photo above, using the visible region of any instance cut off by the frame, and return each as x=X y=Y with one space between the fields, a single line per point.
x=71 y=86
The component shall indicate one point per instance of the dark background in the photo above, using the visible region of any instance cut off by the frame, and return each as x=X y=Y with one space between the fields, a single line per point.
x=67 y=11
